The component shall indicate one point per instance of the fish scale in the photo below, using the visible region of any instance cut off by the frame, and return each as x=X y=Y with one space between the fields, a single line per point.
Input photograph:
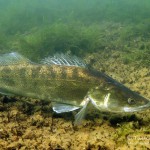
x=68 y=84
x=45 y=79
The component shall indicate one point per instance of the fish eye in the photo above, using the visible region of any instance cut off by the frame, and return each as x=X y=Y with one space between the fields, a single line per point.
x=131 y=100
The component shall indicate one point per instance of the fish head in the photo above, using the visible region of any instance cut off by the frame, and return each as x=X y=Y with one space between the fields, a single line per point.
x=117 y=99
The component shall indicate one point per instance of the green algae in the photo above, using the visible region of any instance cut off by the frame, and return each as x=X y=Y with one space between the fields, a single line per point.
x=115 y=30
x=41 y=29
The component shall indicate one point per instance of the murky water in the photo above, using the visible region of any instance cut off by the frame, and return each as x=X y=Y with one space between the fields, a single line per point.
x=112 y=36
x=39 y=28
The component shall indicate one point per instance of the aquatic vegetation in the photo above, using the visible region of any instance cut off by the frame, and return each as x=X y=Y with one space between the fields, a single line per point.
x=139 y=57
x=112 y=36
x=37 y=30
x=59 y=37
x=79 y=39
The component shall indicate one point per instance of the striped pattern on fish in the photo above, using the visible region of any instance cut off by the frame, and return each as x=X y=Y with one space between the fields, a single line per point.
x=68 y=83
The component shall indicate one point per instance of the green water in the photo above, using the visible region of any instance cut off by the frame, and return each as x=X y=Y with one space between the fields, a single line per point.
x=38 y=28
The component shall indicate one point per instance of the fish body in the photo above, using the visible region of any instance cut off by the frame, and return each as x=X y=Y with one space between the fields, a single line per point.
x=68 y=84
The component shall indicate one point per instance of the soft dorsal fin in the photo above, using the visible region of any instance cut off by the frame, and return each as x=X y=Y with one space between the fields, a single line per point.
x=13 y=58
x=63 y=59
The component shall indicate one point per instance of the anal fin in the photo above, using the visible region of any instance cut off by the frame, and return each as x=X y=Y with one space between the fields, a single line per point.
x=61 y=108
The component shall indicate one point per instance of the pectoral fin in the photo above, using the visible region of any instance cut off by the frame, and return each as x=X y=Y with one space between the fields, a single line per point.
x=81 y=114
x=61 y=108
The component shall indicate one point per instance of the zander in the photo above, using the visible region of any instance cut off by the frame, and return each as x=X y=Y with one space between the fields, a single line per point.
x=68 y=83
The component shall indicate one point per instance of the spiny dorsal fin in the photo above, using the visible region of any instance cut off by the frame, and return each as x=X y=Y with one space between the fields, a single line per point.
x=13 y=58
x=63 y=59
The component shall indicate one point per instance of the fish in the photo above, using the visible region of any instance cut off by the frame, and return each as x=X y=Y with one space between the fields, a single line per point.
x=68 y=83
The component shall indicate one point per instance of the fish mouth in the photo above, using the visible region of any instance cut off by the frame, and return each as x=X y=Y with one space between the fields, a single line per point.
x=139 y=108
